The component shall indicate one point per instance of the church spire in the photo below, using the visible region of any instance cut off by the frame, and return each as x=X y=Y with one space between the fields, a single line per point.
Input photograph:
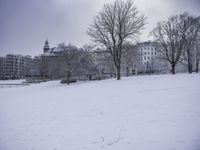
x=46 y=47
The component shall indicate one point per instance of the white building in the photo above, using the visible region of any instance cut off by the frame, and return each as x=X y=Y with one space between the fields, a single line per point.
x=148 y=58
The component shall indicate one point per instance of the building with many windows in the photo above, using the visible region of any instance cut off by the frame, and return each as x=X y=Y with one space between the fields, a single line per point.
x=14 y=66
x=2 y=67
x=147 y=51
x=18 y=66
x=149 y=58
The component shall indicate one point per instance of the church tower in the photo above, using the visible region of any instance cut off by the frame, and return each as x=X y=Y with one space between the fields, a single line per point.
x=46 y=47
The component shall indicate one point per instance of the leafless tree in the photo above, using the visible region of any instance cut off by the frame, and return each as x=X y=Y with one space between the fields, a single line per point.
x=192 y=28
x=117 y=23
x=169 y=34
x=72 y=58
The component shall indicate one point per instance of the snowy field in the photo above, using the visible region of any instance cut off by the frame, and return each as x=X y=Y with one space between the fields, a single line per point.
x=11 y=81
x=158 y=112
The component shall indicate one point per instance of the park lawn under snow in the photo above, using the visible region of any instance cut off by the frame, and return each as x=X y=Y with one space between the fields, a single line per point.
x=158 y=112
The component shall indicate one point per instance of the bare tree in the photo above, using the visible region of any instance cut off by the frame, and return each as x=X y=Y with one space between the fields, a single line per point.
x=72 y=58
x=192 y=27
x=169 y=35
x=113 y=26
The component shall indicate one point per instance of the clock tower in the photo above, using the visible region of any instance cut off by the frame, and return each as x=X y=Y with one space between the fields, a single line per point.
x=46 y=47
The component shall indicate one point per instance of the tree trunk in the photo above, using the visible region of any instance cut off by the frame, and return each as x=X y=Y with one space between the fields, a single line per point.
x=197 y=67
x=118 y=68
x=119 y=72
x=197 y=58
x=90 y=77
x=68 y=77
x=189 y=67
x=127 y=71
x=173 y=68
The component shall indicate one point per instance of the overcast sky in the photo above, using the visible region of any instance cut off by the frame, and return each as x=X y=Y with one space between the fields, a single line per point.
x=25 y=24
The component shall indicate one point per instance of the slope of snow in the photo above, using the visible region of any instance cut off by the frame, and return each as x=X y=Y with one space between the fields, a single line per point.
x=159 y=112
x=11 y=81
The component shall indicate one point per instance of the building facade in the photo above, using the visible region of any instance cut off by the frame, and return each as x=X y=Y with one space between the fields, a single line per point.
x=2 y=67
x=149 y=58
x=18 y=66
x=14 y=66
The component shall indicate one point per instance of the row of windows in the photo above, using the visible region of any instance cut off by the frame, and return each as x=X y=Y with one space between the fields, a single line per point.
x=145 y=63
x=146 y=58
x=148 y=53
x=147 y=48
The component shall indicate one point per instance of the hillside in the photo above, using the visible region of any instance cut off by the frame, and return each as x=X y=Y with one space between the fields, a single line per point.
x=158 y=112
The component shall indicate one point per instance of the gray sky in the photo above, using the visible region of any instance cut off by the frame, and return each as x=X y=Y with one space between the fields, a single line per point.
x=25 y=24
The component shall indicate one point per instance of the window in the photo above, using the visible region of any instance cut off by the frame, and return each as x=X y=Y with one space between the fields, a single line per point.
x=144 y=53
x=144 y=57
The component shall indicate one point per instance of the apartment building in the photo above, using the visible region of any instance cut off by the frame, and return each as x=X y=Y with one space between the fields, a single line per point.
x=2 y=67
x=14 y=66
x=18 y=66
x=148 y=58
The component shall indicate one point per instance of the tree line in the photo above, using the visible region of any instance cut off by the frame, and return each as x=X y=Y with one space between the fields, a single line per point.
x=120 y=22
x=179 y=38
x=114 y=30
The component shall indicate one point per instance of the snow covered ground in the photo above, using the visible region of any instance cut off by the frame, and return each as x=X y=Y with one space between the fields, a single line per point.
x=11 y=81
x=158 y=112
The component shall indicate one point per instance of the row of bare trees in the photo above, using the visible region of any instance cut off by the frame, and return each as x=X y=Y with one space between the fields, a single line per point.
x=179 y=37
x=112 y=30
x=119 y=22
